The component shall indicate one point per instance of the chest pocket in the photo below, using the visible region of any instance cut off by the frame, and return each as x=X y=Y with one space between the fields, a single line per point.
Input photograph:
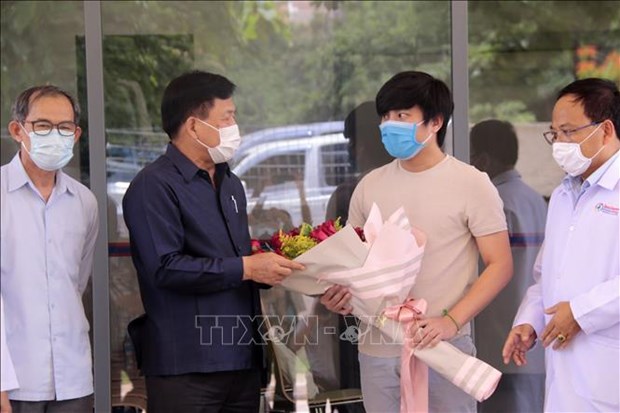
x=235 y=213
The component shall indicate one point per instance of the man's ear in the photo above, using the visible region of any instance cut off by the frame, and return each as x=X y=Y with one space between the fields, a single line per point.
x=188 y=128
x=16 y=131
x=609 y=130
x=78 y=133
x=436 y=123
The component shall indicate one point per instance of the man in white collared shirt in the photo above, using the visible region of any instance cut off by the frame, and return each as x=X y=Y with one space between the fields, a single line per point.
x=574 y=307
x=49 y=225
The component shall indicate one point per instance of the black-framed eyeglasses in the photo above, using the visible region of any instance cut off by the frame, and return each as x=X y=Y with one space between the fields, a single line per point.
x=551 y=136
x=44 y=127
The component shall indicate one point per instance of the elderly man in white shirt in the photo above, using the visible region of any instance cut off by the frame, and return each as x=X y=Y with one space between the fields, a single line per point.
x=49 y=224
x=574 y=307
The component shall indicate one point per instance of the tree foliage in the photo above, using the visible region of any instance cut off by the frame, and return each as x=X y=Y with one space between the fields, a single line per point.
x=38 y=46
x=523 y=52
x=314 y=64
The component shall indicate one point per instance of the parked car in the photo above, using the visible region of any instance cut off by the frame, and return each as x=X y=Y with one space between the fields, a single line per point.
x=289 y=174
x=307 y=130
x=123 y=162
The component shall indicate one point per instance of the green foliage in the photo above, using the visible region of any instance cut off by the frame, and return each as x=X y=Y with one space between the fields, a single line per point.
x=514 y=110
x=339 y=59
x=260 y=18
x=305 y=229
x=313 y=65
x=37 y=46
x=338 y=224
x=135 y=76
x=522 y=52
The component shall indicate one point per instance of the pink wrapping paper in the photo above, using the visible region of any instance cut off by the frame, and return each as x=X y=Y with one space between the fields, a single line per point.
x=413 y=372
x=380 y=274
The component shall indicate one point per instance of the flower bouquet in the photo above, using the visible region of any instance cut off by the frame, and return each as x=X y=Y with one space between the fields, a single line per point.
x=380 y=265
x=305 y=244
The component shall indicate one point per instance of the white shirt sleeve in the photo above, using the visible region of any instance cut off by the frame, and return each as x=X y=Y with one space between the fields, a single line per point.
x=598 y=308
x=8 y=380
x=86 y=264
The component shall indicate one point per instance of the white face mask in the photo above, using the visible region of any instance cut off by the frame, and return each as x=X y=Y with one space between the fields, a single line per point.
x=230 y=139
x=570 y=158
x=50 y=152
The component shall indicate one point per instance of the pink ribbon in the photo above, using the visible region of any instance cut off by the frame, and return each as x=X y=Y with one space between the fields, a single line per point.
x=413 y=372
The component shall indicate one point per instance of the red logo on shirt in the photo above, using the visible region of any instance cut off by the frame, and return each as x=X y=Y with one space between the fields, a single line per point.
x=607 y=209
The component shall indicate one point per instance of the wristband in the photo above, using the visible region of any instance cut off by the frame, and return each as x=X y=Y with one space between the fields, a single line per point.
x=445 y=313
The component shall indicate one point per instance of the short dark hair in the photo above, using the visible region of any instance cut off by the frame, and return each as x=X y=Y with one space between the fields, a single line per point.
x=408 y=89
x=496 y=138
x=600 y=99
x=21 y=107
x=191 y=94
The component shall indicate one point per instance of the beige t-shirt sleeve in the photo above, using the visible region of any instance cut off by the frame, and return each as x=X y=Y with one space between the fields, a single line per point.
x=484 y=208
x=357 y=217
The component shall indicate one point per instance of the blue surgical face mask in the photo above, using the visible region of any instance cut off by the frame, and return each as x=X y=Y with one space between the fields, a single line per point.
x=399 y=139
x=50 y=152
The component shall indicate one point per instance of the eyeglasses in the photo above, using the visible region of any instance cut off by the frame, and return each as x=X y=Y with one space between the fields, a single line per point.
x=551 y=136
x=44 y=127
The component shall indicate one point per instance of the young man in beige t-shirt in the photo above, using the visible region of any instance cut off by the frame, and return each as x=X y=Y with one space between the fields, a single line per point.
x=461 y=213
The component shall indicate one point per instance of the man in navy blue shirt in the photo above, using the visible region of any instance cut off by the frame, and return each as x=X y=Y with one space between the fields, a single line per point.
x=198 y=343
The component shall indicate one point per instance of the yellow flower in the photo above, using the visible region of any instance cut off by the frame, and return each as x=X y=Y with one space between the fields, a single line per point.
x=295 y=245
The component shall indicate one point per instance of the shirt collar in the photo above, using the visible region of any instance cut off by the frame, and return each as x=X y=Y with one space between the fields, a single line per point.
x=505 y=176
x=63 y=184
x=188 y=168
x=606 y=176
x=17 y=177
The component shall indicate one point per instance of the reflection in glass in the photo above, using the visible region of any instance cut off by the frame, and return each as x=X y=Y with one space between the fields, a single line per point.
x=137 y=69
x=300 y=67
x=39 y=47
x=494 y=150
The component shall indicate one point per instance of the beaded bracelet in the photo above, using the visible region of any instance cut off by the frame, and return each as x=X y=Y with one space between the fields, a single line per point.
x=445 y=313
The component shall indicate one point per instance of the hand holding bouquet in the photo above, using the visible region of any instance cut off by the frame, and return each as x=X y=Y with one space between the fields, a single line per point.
x=305 y=245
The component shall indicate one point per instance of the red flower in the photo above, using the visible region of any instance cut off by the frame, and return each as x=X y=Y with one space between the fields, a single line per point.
x=360 y=233
x=276 y=243
x=318 y=234
x=329 y=227
x=325 y=230
x=256 y=246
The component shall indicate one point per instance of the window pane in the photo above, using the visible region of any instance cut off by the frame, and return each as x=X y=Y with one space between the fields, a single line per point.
x=40 y=45
x=335 y=159
x=301 y=67
x=521 y=54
